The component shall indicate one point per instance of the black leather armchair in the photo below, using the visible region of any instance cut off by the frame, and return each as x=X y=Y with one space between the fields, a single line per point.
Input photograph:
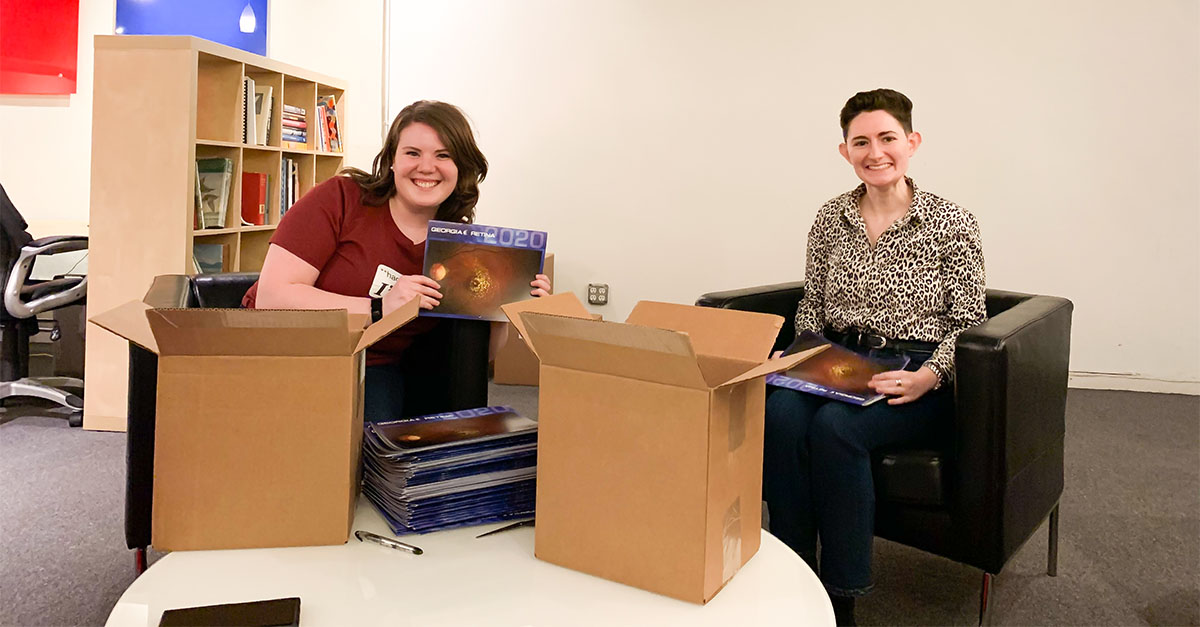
x=445 y=370
x=1000 y=474
x=23 y=299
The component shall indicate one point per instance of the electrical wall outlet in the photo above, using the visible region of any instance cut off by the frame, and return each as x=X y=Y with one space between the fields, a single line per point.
x=597 y=293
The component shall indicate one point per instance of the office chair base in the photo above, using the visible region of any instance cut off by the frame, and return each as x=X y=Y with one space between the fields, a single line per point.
x=47 y=388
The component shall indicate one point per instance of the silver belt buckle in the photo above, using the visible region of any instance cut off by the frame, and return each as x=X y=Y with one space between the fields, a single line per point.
x=882 y=341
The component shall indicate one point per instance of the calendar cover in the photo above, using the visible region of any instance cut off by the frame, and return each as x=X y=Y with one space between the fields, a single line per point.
x=837 y=372
x=464 y=429
x=481 y=267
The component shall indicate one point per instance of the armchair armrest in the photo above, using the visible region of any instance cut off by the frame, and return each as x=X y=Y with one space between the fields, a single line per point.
x=1010 y=396
x=780 y=299
x=168 y=291
x=224 y=290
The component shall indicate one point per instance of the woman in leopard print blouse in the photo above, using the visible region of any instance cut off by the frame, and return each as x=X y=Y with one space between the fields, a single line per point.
x=887 y=264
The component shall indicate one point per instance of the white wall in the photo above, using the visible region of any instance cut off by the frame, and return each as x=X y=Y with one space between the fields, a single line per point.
x=674 y=147
x=344 y=40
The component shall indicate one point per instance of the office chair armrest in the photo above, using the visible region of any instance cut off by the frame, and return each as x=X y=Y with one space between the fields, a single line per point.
x=55 y=244
x=1010 y=396
x=15 y=288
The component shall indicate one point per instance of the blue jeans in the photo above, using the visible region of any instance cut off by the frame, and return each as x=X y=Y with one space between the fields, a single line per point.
x=383 y=392
x=817 y=474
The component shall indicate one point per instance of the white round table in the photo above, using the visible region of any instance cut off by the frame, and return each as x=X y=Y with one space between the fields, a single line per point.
x=461 y=580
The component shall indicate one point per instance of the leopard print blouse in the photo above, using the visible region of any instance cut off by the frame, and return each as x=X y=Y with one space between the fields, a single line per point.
x=923 y=280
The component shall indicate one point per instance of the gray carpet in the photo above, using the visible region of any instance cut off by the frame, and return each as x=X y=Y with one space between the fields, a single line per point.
x=1129 y=547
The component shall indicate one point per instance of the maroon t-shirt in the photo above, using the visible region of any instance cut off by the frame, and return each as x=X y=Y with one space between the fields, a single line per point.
x=347 y=241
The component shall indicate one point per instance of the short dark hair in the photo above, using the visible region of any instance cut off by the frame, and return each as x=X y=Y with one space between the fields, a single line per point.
x=455 y=132
x=895 y=103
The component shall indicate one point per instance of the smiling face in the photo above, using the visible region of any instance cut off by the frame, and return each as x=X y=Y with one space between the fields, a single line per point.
x=878 y=148
x=423 y=170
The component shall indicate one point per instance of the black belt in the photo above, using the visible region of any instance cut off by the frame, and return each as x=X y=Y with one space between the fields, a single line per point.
x=857 y=338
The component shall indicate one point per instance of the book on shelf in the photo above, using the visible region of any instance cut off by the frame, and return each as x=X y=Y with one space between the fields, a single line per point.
x=295 y=185
x=322 y=134
x=254 y=198
x=284 y=167
x=481 y=267
x=288 y=186
x=197 y=222
x=836 y=372
x=328 y=120
x=291 y=135
x=215 y=176
x=264 y=103
x=210 y=258
x=249 y=132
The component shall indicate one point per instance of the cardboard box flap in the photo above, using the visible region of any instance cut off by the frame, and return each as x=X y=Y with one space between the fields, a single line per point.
x=278 y=332
x=564 y=304
x=623 y=350
x=743 y=335
x=388 y=323
x=128 y=321
x=775 y=365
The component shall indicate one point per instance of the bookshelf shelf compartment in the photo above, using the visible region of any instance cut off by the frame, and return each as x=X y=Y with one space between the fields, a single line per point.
x=159 y=104
x=212 y=143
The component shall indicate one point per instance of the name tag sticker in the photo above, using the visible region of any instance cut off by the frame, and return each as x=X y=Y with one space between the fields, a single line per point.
x=385 y=278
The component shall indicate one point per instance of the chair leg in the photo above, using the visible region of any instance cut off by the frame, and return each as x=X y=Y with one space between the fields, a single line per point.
x=1052 y=552
x=985 y=597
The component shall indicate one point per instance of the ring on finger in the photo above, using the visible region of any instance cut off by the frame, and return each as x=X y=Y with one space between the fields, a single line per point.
x=899 y=383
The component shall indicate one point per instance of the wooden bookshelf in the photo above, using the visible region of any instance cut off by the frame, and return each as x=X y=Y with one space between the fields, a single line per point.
x=160 y=103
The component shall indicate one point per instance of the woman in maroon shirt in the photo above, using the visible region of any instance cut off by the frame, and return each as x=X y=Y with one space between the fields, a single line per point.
x=357 y=242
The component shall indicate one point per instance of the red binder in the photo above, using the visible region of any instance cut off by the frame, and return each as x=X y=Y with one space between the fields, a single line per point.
x=254 y=197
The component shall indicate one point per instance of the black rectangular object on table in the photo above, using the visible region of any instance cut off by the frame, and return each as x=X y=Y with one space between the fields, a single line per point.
x=266 y=613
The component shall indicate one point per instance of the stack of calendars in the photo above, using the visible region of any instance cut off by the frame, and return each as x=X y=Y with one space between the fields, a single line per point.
x=294 y=127
x=449 y=470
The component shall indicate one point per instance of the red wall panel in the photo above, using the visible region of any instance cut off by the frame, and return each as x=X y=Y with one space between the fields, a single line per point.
x=39 y=46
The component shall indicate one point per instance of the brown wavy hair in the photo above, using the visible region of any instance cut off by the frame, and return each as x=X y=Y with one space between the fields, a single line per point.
x=895 y=103
x=455 y=132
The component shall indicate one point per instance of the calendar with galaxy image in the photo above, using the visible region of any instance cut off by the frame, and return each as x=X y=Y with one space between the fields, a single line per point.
x=836 y=372
x=481 y=267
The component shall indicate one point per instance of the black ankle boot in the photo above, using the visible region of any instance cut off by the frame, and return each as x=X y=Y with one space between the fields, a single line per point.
x=843 y=610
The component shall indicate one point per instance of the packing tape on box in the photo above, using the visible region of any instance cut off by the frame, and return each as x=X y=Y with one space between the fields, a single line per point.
x=731 y=541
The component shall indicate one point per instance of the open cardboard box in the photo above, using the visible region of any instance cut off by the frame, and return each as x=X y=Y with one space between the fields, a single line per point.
x=259 y=427
x=650 y=440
